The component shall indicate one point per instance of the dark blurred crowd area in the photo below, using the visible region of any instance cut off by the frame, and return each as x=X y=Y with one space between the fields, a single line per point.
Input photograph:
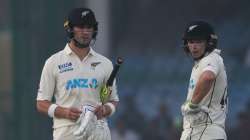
x=132 y=124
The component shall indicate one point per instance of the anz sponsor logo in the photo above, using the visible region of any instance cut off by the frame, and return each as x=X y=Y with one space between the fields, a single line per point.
x=82 y=83
x=65 y=67
x=191 y=83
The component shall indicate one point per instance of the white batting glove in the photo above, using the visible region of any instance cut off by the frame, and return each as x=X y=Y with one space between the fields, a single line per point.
x=86 y=121
x=194 y=113
x=191 y=108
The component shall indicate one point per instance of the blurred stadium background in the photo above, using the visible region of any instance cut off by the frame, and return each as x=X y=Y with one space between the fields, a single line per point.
x=152 y=82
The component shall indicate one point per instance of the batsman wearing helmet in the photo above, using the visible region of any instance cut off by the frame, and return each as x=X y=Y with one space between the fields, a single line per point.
x=205 y=109
x=75 y=77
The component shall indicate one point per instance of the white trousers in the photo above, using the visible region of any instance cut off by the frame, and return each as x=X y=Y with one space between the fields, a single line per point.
x=206 y=132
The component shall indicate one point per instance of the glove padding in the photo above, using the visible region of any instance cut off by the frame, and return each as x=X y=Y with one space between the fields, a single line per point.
x=194 y=113
x=86 y=121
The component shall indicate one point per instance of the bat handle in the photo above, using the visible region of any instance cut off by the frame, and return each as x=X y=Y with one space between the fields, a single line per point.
x=119 y=61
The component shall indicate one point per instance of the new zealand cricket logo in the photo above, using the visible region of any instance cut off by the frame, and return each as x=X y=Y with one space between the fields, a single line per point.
x=93 y=65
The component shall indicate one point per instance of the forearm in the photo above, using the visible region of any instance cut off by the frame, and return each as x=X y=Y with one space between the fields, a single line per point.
x=43 y=107
x=72 y=113
x=203 y=87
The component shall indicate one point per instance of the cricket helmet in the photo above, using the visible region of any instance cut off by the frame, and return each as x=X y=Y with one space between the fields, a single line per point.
x=200 y=30
x=80 y=17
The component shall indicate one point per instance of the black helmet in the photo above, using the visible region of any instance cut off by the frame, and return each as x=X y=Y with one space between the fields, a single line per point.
x=200 y=30
x=79 y=17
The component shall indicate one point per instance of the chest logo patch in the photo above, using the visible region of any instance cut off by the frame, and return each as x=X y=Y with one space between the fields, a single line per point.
x=94 y=64
x=65 y=67
x=191 y=84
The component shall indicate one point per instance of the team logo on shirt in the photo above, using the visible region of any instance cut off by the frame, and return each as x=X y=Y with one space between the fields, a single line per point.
x=65 y=67
x=191 y=83
x=82 y=83
x=93 y=65
x=210 y=65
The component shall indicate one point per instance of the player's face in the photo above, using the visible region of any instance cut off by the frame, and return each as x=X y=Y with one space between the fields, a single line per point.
x=196 y=48
x=83 y=34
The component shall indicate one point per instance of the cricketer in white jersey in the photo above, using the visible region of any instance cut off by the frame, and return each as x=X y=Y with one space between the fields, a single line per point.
x=205 y=109
x=74 y=77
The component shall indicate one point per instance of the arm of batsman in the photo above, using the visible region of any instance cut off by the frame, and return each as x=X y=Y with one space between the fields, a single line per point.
x=86 y=120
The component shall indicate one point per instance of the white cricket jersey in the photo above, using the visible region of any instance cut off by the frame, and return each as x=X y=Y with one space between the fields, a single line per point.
x=74 y=82
x=216 y=99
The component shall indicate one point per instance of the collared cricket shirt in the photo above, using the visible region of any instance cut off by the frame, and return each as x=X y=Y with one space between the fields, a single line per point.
x=73 y=82
x=216 y=99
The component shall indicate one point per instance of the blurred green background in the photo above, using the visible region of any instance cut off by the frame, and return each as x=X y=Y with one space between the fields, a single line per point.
x=154 y=77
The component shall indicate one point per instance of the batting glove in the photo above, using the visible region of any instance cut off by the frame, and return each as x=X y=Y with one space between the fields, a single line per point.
x=194 y=113
x=86 y=120
x=191 y=108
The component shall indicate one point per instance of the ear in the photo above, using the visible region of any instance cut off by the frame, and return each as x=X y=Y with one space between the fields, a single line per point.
x=186 y=49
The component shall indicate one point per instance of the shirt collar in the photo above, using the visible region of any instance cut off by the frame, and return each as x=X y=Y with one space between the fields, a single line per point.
x=92 y=52
x=217 y=51
x=68 y=51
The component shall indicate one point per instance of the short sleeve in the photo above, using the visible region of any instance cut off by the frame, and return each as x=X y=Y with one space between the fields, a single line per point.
x=47 y=82
x=211 y=64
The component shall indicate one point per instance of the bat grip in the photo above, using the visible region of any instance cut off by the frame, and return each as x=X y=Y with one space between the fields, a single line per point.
x=114 y=72
x=113 y=75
